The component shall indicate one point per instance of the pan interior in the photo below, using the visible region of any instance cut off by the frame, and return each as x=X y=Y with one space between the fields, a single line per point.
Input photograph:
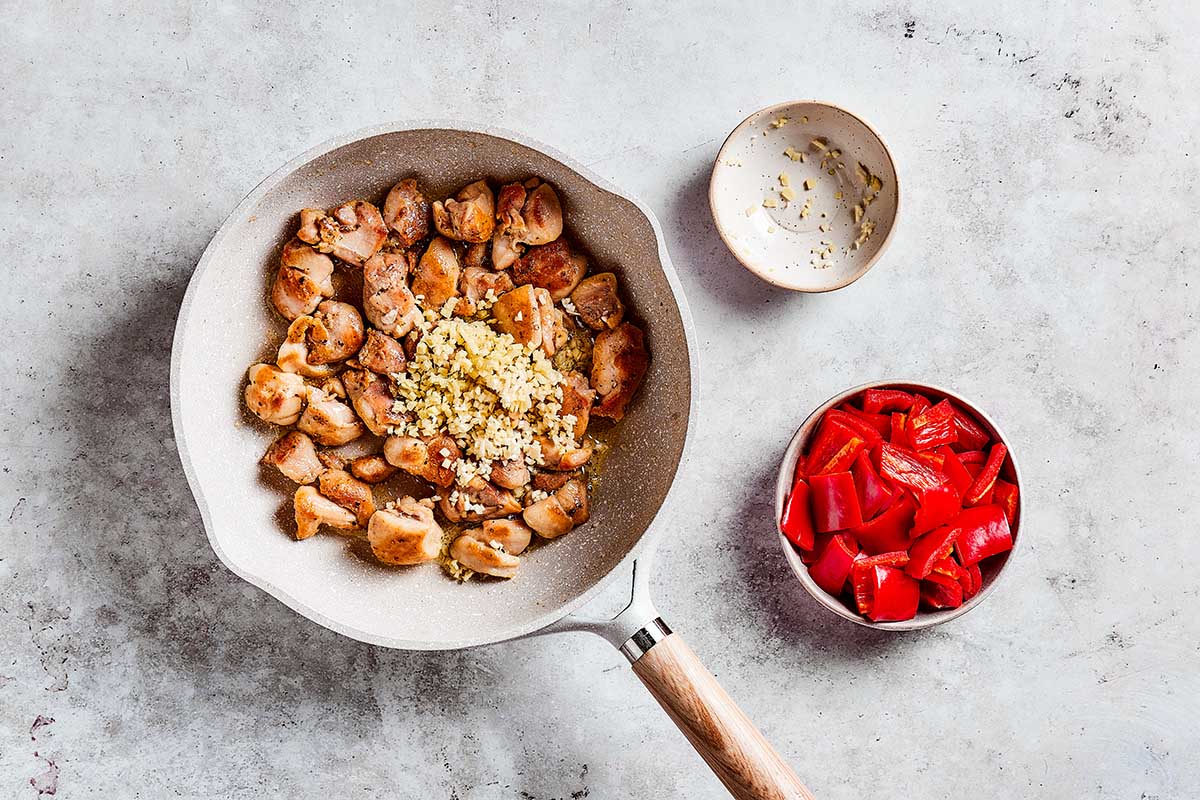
x=226 y=325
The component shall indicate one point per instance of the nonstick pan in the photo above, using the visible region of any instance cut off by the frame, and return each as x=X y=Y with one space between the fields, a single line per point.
x=225 y=324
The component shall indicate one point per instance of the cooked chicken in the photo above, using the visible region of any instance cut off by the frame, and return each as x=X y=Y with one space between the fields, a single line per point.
x=382 y=354
x=350 y=493
x=405 y=534
x=328 y=420
x=331 y=459
x=372 y=400
x=372 y=469
x=511 y=534
x=313 y=510
x=551 y=481
x=430 y=459
x=552 y=267
x=304 y=277
x=475 y=284
x=294 y=455
x=353 y=231
x=510 y=474
x=338 y=335
x=470 y=217
x=435 y=279
x=387 y=301
x=333 y=387
x=596 y=300
x=274 y=395
x=619 y=362
x=406 y=212
x=472 y=550
x=524 y=218
x=477 y=256
x=295 y=354
x=561 y=459
x=520 y=314
x=560 y=512
x=577 y=400
x=478 y=500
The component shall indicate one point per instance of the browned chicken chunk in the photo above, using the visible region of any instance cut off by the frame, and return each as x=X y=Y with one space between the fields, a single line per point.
x=295 y=352
x=474 y=286
x=372 y=469
x=406 y=212
x=429 y=459
x=552 y=267
x=350 y=493
x=405 y=534
x=524 y=218
x=562 y=459
x=382 y=354
x=294 y=455
x=328 y=420
x=477 y=256
x=470 y=216
x=436 y=278
x=577 y=401
x=522 y=314
x=312 y=510
x=478 y=500
x=619 y=362
x=275 y=396
x=560 y=512
x=596 y=300
x=510 y=474
x=304 y=278
x=551 y=481
x=372 y=400
x=353 y=231
x=387 y=301
x=486 y=553
x=338 y=335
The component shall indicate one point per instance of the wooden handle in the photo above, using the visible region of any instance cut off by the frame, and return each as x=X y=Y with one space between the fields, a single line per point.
x=723 y=736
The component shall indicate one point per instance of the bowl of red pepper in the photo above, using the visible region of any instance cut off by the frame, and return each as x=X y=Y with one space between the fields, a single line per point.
x=898 y=505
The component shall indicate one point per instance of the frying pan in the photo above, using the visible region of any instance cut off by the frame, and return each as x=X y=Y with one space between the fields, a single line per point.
x=225 y=325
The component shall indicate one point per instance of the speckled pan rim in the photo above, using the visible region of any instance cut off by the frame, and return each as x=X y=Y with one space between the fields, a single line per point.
x=787 y=469
x=298 y=604
x=763 y=274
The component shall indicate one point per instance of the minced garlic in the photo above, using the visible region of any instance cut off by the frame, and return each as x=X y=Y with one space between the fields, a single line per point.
x=809 y=184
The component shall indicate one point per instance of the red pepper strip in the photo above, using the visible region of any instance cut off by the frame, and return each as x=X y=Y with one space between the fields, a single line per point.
x=980 y=492
x=873 y=495
x=834 y=502
x=797 y=519
x=841 y=460
x=888 y=531
x=973 y=469
x=933 y=428
x=1006 y=495
x=980 y=532
x=898 y=435
x=940 y=591
x=901 y=465
x=934 y=460
x=894 y=595
x=971 y=436
x=862 y=573
x=833 y=567
x=881 y=423
x=877 y=400
x=920 y=404
x=976 y=580
x=819 y=543
x=952 y=569
x=929 y=549
x=866 y=431
x=972 y=457
x=960 y=479
x=832 y=437
x=936 y=507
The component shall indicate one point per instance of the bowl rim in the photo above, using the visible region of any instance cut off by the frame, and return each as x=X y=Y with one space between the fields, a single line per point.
x=787 y=469
x=712 y=203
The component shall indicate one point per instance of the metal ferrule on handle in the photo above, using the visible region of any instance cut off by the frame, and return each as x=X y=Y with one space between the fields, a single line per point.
x=640 y=643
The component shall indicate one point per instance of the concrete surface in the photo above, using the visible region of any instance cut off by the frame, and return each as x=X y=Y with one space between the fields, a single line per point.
x=1045 y=263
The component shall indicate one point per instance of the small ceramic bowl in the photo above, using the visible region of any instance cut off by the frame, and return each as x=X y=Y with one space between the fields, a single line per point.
x=805 y=195
x=991 y=568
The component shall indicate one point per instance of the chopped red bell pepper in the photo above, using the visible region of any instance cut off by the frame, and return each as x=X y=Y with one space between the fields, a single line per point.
x=1006 y=495
x=835 y=442
x=862 y=575
x=960 y=479
x=933 y=427
x=936 y=507
x=980 y=492
x=952 y=569
x=877 y=400
x=934 y=460
x=971 y=436
x=927 y=550
x=873 y=494
x=797 y=517
x=832 y=568
x=894 y=595
x=898 y=434
x=864 y=429
x=980 y=532
x=890 y=530
x=941 y=591
x=882 y=423
x=920 y=404
x=976 y=575
x=968 y=457
x=819 y=542
x=901 y=465
x=841 y=460
x=834 y=502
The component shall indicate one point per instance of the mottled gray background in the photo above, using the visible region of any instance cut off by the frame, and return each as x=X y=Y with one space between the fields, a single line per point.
x=1045 y=263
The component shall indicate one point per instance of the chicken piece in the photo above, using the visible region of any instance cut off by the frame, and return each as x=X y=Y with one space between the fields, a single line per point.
x=274 y=395
x=372 y=469
x=596 y=301
x=372 y=400
x=331 y=459
x=406 y=212
x=350 y=493
x=470 y=216
x=333 y=387
x=511 y=534
x=525 y=218
x=619 y=362
x=511 y=474
x=436 y=278
x=560 y=459
x=382 y=354
x=312 y=510
x=338 y=335
x=477 y=256
x=472 y=550
x=295 y=456
x=353 y=231
x=295 y=354
x=478 y=500
x=577 y=401
x=474 y=286
x=304 y=277
x=528 y=315
x=328 y=420
x=387 y=301
x=430 y=459
x=551 y=481
x=405 y=534
x=552 y=267
x=560 y=512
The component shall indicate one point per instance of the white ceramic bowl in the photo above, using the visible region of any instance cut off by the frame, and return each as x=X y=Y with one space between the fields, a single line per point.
x=814 y=242
x=991 y=568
